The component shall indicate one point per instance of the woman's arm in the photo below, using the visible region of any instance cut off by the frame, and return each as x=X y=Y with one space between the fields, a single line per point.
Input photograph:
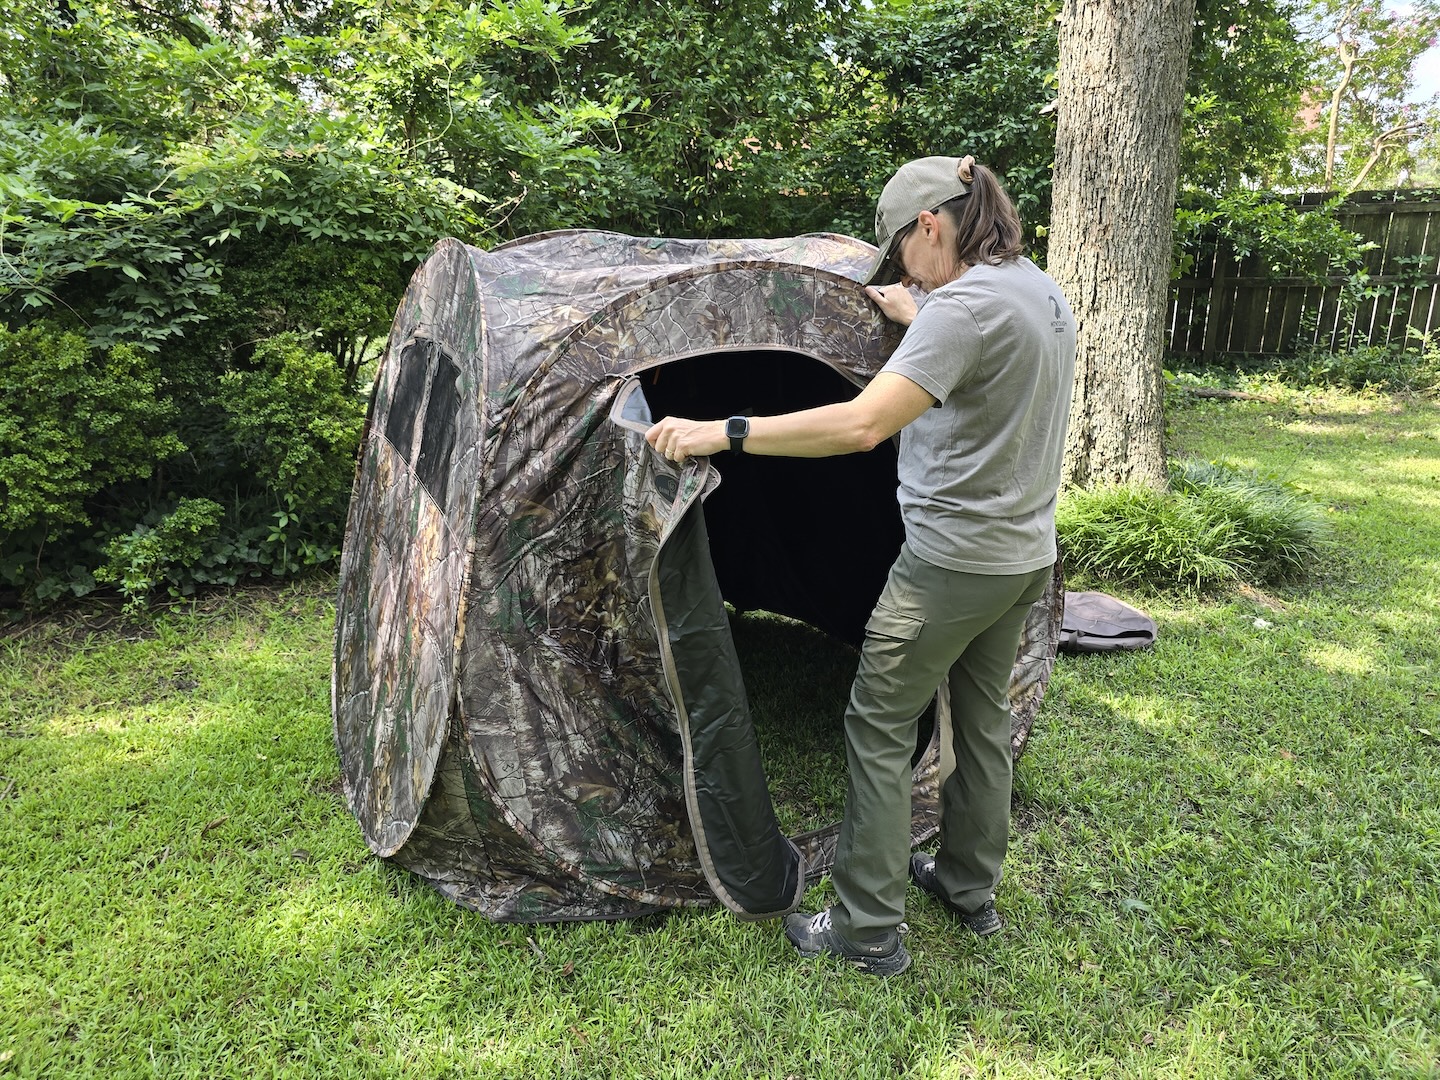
x=884 y=407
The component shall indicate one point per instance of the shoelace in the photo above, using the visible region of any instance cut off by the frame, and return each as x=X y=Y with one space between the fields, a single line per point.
x=820 y=922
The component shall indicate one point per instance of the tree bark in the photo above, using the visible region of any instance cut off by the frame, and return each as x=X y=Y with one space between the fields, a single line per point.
x=1117 y=160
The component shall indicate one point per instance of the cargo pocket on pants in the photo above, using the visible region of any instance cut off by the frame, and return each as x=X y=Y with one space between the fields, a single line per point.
x=888 y=653
x=888 y=625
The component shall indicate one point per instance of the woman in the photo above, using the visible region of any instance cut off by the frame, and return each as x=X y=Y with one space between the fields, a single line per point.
x=979 y=389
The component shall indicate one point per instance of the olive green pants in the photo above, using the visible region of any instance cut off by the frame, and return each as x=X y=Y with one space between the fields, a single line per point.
x=930 y=624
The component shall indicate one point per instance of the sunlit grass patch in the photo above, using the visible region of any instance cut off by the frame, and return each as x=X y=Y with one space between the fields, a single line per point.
x=1334 y=657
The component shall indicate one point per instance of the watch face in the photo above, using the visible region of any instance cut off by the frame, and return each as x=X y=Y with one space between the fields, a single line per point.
x=737 y=427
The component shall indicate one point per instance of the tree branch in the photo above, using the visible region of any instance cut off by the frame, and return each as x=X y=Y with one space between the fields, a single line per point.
x=1378 y=146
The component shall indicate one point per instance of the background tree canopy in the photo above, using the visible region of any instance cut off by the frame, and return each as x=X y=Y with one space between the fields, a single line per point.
x=203 y=202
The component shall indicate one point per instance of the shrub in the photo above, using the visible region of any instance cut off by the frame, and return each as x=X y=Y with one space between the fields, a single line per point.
x=74 y=423
x=1140 y=535
x=1217 y=525
x=1412 y=368
x=1279 y=531
x=297 y=426
x=340 y=297
x=160 y=551
x=96 y=487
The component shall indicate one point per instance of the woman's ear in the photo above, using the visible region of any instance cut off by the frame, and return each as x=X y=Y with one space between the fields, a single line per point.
x=929 y=224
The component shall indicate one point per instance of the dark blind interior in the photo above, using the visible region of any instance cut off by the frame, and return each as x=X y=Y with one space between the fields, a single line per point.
x=809 y=538
x=437 y=439
x=409 y=389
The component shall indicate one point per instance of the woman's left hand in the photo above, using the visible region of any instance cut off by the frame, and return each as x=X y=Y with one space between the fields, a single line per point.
x=677 y=438
x=894 y=301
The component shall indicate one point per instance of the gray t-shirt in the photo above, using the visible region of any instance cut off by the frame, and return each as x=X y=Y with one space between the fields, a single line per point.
x=979 y=472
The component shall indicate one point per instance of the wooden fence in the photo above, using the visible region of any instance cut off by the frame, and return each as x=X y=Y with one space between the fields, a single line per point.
x=1234 y=305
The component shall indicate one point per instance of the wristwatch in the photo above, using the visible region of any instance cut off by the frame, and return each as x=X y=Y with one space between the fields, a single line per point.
x=736 y=428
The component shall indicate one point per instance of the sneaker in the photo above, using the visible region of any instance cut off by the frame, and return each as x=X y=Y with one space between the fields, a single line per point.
x=814 y=936
x=983 y=920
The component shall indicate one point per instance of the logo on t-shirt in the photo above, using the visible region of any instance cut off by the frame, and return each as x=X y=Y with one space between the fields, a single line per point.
x=1060 y=323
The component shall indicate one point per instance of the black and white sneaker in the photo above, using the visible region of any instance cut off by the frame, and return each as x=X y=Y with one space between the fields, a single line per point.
x=983 y=920
x=813 y=935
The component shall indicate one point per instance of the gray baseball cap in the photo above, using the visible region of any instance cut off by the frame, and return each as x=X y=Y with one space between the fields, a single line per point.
x=922 y=184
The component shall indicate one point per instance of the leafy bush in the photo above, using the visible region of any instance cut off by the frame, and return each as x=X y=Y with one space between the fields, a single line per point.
x=235 y=197
x=1279 y=531
x=95 y=486
x=1413 y=369
x=1289 y=240
x=1141 y=535
x=82 y=245
x=1218 y=525
x=298 y=427
x=936 y=77
x=159 y=552
x=342 y=296
x=74 y=423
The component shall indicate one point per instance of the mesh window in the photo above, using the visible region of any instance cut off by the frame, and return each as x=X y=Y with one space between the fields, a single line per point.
x=409 y=388
x=437 y=438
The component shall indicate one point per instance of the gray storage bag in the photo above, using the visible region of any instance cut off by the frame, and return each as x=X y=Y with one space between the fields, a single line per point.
x=1097 y=622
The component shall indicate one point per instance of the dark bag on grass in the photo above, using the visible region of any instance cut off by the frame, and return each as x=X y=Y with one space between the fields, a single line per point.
x=1096 y=622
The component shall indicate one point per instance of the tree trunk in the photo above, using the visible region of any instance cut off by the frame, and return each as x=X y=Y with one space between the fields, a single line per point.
x=1117 y=159
x=1348 y=56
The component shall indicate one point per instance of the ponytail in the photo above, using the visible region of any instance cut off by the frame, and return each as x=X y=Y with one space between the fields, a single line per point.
x=987 y=225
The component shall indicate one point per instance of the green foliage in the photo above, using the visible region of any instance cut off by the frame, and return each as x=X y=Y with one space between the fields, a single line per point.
x=951 y=77
x=1280 y=532
x=788 y=117
x=1268 y=76
x=160 y=552
x=197 y=190
x=1413 y=368
x=1287 y=239
x=1366 y=128
x=912 y=78
x=75 y=422
x=145 y=269
x=340 y=296
x=196 y=543
x=297 y=426
x=1245 y=89
x=1217 y=525
x=81 y=245
x=1290 y=240
x=711 y=110
x=1140 y=535
x=124 y=210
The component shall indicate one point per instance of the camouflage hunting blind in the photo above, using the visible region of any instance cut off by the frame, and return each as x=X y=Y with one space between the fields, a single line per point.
x=538 y=704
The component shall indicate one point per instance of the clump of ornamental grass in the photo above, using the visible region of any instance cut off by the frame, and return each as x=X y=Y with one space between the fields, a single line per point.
x=1217 y=525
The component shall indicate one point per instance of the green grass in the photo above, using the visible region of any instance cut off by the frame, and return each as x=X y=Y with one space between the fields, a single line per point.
x=1225 y=860
x=1216 y=525
x=799 y=722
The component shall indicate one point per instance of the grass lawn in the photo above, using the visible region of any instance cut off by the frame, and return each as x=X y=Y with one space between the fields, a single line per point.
x=1226 y=857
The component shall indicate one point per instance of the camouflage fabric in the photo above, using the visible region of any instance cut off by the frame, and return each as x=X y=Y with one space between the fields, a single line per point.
x=512 y=720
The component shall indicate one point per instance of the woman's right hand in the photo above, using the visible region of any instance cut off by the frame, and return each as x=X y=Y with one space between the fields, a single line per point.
x=894 y=301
